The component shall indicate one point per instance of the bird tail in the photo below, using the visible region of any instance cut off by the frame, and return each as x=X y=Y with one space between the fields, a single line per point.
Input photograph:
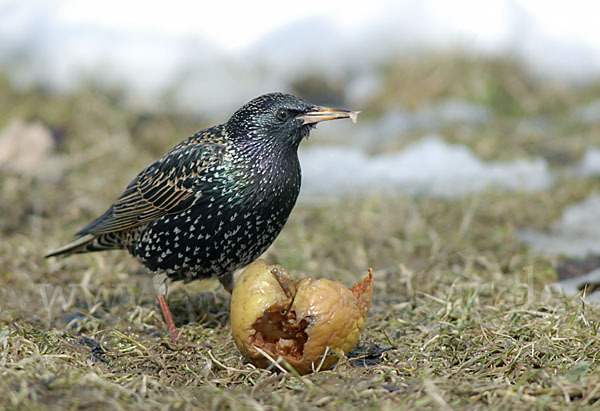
x=82 y=244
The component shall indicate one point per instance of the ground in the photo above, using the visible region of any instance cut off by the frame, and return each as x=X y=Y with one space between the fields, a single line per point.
x=462 y=314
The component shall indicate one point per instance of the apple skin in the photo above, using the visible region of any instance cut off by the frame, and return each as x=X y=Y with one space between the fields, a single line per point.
x=311 y=323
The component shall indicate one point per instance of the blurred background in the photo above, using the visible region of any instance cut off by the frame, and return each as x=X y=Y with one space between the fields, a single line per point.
x=456 y=98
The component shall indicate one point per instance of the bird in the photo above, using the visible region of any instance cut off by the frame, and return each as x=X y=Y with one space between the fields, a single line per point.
x=213 y=203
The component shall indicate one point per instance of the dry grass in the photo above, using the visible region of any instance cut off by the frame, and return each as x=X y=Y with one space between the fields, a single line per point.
x=461 y=315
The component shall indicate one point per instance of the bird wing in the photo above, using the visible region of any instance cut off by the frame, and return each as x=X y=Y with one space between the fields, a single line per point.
x=169 y=185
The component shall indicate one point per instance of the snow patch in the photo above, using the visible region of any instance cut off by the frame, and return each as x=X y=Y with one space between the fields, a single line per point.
x=429 y=167
x=589 y=166
x=576 y=234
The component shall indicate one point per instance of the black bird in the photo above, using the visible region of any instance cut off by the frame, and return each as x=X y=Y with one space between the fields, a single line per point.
x=216 y=201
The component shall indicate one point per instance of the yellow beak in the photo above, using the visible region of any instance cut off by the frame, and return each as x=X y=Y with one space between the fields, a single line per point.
x=327 y=113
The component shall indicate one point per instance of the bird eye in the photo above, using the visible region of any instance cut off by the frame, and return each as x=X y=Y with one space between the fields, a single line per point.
x=282 y=114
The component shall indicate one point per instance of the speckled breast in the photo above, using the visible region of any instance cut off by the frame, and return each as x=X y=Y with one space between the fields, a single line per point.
x=218 y=234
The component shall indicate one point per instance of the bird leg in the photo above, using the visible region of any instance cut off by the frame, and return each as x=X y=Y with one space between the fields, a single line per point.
x=160 y=288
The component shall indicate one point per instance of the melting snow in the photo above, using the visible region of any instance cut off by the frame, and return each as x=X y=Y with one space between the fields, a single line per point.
x=588 y=113
x=573 y=286
x=576 y=234
x=430 y=167
x=590 y=164
x=214 y=61
x=397 y=121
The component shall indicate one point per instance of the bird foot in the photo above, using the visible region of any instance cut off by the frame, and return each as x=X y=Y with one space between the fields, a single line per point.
x=162 y=302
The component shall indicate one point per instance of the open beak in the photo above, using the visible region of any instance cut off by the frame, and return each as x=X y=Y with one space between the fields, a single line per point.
x=319 y=114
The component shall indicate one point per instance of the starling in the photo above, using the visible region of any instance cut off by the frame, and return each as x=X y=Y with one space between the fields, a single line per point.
x=216 y=201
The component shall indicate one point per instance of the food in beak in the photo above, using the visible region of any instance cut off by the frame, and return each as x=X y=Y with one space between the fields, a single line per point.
x=326 y=113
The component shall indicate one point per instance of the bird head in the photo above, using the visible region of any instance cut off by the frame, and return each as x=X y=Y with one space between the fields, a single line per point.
x=280 y=120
